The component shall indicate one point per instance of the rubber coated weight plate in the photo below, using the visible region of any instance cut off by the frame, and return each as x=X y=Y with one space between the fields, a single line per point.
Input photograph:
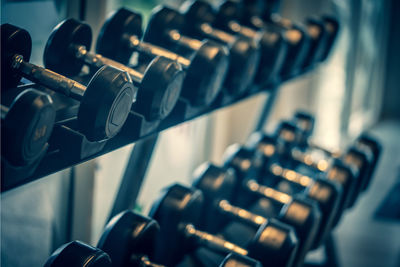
x=13 y=41
x=158 y=95
x=202 y=84
x=77 y=253
x=104 y=106
x=162 y=19
x=111 y=43
x=128 y=234
x=27 y=127
x=58 y=53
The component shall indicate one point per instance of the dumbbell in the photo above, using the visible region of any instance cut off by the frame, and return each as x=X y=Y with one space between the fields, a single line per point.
x=254 y=16
x=158 y=88
x=177 y=213
x=358 y=158
x=26 y=126
x=264 y=147
x=76 y=254
x=244 y=52
x=129 y=239
x=217 y=186
x=104 y=103
x=273 y=45
x=205 y=68
x=305 y=124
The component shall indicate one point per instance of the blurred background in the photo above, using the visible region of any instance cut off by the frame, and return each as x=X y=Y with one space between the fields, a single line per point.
x=356 y=89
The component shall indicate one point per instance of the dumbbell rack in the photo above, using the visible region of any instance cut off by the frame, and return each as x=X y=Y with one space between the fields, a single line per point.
x=67 y=147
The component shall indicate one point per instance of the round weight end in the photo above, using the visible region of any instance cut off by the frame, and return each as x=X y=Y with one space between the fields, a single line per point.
x=328 y=195
x=106 y=104
x=128 y=234
x=273 y=52
x=27 y=127
x=206 y=74
x=215 y=182
x=275 y=244
x=111 y=41
x=177 y=206
x=59 y=55
x=14 y=40
x=77 y=253
x=305 y=216
x=160 y=89
x=245 y=58
x=161 y=19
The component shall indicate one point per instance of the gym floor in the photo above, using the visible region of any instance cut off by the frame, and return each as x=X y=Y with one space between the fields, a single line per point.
x=363 y=238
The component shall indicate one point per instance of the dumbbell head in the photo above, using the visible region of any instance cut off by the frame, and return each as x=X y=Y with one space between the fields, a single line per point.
x=305 y=122
x=58 y=53
x=369 y=142
x=345 y=175
x=237 y=260
x=119 y=25
x=76 y=254
x=178 y=205
x=216 y=184
x=14 y=40
x=361 y=160
x=128 y=237
x=208 y=64
x=106 y=104
x=332 y=28
x=318 y=41
x=27 y=127
x=244 y=51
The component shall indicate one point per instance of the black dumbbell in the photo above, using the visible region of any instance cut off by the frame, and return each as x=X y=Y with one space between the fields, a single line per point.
x=177 y=212
x=244 y=52
x=77 y=254
x=273 y=45
x=286 y=206
x=129 y=240
x=264 y=147
x=26 y=126
x=159 y=86
x=104 y=103
x=205 y=68
x=217 y=185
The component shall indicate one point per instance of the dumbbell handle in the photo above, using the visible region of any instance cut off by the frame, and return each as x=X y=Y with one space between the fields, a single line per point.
x=290 y=175
x=99 y=61
x=304 y=158
x=212 y=242
x=267 y=192
x=215 y=34
x=243 y=30
x=149 y=49
x=240 y=214
x=48 y=78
